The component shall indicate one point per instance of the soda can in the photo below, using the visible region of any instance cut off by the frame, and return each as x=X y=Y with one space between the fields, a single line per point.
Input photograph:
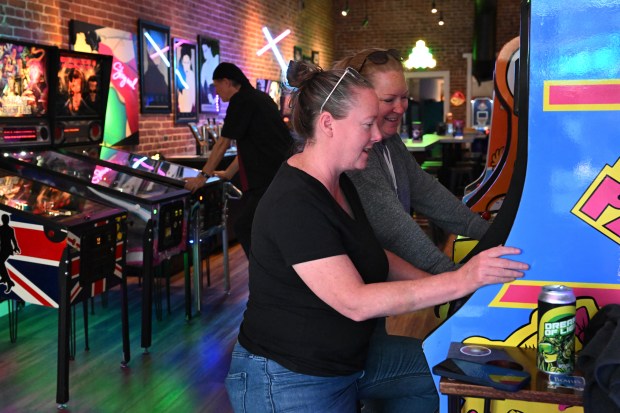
x=556 y=329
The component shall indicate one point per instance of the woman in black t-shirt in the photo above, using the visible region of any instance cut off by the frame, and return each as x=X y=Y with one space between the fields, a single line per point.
x=319 y=278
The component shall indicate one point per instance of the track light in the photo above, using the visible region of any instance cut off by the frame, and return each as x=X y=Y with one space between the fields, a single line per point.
x=365 y=22
x=440 y=22
x=433 y=8
x=345 y=10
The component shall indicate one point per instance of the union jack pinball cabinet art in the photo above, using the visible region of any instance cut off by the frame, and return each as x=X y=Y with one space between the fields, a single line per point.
x=59 y=249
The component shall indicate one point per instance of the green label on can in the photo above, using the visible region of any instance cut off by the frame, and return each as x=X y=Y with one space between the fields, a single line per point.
x=556 y=339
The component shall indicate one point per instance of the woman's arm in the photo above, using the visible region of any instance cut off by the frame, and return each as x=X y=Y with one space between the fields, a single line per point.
x=396 y=230
x=336 y=281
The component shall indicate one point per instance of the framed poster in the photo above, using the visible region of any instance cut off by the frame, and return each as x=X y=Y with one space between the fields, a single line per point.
x=208 y=59
x=123 y=110
x=154 y=41
x=271 y=87
x=315 y=57
x=297 y=54
x=185 y=81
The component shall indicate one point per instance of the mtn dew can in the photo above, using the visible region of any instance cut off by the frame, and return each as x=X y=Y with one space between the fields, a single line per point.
x=556 y=329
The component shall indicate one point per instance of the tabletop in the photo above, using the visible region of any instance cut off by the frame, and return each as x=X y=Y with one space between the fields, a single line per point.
x=421 y=145
x=538 y=390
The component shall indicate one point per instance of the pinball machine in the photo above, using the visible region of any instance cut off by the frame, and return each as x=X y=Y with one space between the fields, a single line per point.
x=66 y=249
x=157 y=212
x=208 y=207
x=562 y=207
x=58 y=248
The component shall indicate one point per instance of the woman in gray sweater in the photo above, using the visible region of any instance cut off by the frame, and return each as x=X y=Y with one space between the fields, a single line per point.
x=393 y=183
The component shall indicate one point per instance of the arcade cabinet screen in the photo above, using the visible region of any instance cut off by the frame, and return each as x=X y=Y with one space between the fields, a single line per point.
x=23 y=79
x=134 y=161
x=83 y=82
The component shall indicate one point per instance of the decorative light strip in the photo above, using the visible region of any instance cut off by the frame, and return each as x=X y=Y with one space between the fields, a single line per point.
x=157 y=48
x=178 y=44
x=271 y=44
x=274 y=41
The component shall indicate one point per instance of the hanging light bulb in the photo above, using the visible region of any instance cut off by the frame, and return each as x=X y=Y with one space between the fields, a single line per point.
x=433 y=8
x=440 y=22
x=365 y=22
x=345 y=10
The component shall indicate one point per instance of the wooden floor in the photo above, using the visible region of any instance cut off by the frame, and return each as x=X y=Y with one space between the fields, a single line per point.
x=183 y=372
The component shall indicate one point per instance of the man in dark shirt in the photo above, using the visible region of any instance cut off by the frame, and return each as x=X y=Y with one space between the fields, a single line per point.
x=263 y=143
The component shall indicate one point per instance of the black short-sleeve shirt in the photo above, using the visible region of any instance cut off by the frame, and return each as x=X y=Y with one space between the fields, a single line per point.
x=298 y=221
x=263 y=140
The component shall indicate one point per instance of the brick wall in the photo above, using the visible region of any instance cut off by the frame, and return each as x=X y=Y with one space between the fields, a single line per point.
x=398 y=24
x=315 y=24
x=236 y=23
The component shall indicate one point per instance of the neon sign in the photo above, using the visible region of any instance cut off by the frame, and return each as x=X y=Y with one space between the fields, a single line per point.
x=272 y=44
x=158 y=51
x=119 y=73
x=420 y=57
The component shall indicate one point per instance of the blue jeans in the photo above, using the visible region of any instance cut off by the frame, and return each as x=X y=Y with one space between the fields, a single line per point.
x=396 y=379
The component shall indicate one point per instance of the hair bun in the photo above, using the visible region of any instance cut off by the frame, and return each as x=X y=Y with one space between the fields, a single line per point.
x=299 y=72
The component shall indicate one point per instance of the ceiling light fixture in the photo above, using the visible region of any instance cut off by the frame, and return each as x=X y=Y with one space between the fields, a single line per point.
x=420 y=57
x=365 y=21
x=433 y=8
x=345 y=10
x=440 y=22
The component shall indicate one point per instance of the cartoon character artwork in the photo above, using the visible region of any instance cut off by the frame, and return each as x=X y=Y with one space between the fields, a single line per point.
x=563 y=204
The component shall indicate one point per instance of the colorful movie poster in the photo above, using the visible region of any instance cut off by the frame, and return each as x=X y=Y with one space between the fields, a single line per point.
x=23 y=83
x=121 y=122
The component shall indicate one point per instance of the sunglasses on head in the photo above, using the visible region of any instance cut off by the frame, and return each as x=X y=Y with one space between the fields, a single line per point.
x=353 y=73
x=381 y=57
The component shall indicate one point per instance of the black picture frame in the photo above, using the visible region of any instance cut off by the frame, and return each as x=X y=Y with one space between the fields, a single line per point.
x=315 y=57
x=185 y=54
x=273 y=88
x=155 y=67
x=297 y=54
x=208 y=59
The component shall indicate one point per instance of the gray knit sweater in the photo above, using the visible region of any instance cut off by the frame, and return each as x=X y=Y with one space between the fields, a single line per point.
x=388 y=207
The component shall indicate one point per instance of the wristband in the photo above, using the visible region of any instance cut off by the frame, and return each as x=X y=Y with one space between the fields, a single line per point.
x=206 y=175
